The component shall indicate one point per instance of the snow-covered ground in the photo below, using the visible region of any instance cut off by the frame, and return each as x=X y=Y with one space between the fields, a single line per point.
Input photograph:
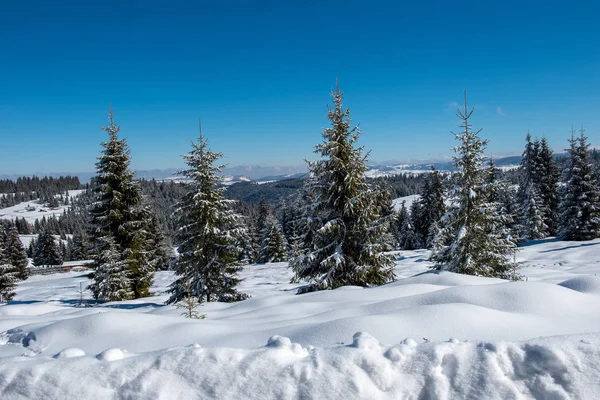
x=430 y=336
x=39 y=210
x=408 y=200
x=400 y=169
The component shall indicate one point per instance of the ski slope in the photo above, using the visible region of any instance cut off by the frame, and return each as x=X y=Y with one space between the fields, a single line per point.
x=427 y=335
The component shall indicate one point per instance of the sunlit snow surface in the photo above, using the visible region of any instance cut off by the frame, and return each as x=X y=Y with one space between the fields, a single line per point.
x=282 y=345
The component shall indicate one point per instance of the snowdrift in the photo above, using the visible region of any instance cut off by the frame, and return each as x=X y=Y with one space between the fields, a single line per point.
x=550 y=368
x=537 y=338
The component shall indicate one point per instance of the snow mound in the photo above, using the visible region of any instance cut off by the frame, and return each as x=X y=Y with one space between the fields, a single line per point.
x=70 y=353
x=549 y=368
x=583 y=284
x=112 y=355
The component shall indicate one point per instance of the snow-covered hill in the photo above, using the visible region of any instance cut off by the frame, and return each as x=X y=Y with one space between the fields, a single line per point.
x=32 y=210
x=430 y=335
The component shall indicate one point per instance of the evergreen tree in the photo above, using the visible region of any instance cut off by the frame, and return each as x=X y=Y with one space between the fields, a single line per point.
x=401 y=217
x=534 y=194
x=47 y=251
x=273 y=246
x=433 y=205
x=408 y=238
x=346 y=248
x=533 y=218
x=208 y=234
x=9 y=274
x=79 y=249
x=387 y=215
x=16 y=254
x=120 y=221
x=258 y=227
x=112 y=276
x=473 y=239
x=580 y=207
x=419 y=226
x=549 y=177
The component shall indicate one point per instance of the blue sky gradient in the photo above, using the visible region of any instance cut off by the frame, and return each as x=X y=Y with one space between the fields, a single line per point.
x=259 y=74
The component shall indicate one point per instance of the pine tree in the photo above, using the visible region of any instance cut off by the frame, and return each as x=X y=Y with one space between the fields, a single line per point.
x=120 y=221
x=208 y=234
x=346 y=247
x=580 y=206
x=549 y=177
x=79 y=249
x=9 y=274
x=273 y=245
x=419 y=226
x=408 y=238
x=535 y=210
x=258 y=228
x=112 y=276
x=47 y=250
x=432 y=202
x=387 y=216
x=401 y=216
x=16 y=254
x=533 y=218
x=472 y=238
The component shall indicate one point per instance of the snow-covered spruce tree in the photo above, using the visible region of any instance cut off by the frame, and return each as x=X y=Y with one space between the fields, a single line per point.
x=472 y=238
x=580 y=206
x=401 y=216
x=112 y=275
x=79 y=249
x=347 y=247
x=549 y=177
x=387 y=214
x=120 y=218
x=292 y=226
x=208 y=233
x=533 y=212
x=418 y=225
x=533 y=226
x=273 y=244
x=432 y=202
x=16 y=253
x=408 y=239
x=9 y=274
x=47 y=251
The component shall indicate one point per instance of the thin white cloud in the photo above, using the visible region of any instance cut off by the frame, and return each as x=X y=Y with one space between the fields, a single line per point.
x=453 y=106
x=500 y=111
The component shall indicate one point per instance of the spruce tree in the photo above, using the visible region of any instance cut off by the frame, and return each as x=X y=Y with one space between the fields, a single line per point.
x=533 y=225
x=120 y=221
x=433 y=204
x=549 y=177
x=16 y=254
x=419 y=225
x=208 y=233
x=401 y=217
x=9 y=274
x=273 y=244
x=112 y=275
x=408 y=237
x=47 y=250
x=79 y=249
x=580 y=206
x=346 y=248
x=473 y=239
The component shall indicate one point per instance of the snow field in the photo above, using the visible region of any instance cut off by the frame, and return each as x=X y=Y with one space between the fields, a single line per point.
x=538 y=338
x=20 y=210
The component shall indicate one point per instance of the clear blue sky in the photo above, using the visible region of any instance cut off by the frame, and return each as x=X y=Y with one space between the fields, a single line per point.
x=259 y=73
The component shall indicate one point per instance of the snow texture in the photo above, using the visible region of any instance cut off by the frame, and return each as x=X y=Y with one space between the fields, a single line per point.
x=431 y=335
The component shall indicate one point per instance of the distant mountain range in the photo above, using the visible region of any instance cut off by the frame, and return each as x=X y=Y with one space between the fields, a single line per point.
x=262 y=173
